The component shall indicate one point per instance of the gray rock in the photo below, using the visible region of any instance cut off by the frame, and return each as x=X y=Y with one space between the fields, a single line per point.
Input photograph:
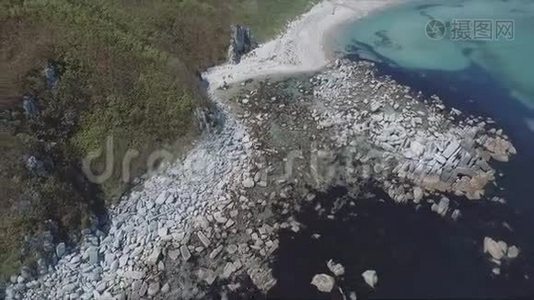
x=441 y=208
x=37 y=167
x=143 y=289
x=417 y=194
x=173 y=254
x=241 y=43
x=186 y=255
x=370 y=277
x=497 y=250
x=153 y=288
x=456 y=214
x=513 y=252
x=336 y=268
x=248 y=183
x=29 y=104
x=136 y=275
x=324 y=283
x=60 y=250
x=203 y=239
x=165 y=288
x=207 y=275
x=92 y=255
x=162 y=197
x=51 y=76
x=154 y=256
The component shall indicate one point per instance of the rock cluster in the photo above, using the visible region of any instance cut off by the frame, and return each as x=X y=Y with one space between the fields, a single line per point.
x=408 y=136
x=147 y=226
x=499 y=251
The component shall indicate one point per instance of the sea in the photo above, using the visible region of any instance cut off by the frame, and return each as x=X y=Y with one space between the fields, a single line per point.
x=478 y=57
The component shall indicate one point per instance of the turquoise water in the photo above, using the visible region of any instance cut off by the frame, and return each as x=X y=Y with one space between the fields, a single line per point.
x=399 y=36
x=492 y=78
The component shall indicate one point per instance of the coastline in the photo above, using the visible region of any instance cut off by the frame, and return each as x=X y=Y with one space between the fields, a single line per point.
x=181 y=214
x=301 y=48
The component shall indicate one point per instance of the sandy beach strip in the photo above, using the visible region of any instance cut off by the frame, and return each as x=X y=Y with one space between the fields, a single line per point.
x=300 y=48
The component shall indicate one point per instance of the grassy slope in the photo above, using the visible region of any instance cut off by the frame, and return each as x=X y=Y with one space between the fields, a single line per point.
x=128 y=69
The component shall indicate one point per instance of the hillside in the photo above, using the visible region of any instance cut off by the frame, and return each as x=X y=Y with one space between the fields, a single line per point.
x=75 y=73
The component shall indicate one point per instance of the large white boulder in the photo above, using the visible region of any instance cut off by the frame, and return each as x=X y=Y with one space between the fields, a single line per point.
x=497 y=250
x=370 y=277
x=324 y=283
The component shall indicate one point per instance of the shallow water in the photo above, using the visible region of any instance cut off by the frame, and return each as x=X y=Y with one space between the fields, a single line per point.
x=400 y=36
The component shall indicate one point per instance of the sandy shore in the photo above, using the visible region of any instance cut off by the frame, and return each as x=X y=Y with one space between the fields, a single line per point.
x=300 y=48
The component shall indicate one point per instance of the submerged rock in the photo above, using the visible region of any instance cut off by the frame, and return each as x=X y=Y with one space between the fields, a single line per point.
x=324 y=283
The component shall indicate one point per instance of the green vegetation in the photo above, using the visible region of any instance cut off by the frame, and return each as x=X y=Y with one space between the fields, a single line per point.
x=128 y=69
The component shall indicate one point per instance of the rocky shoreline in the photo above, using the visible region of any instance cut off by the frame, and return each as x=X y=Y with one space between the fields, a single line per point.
x=206 y=224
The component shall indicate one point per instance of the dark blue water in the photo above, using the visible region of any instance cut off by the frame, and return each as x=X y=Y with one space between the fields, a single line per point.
x=417 y=254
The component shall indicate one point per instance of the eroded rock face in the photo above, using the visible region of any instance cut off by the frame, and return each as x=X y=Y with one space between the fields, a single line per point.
x=242 y=42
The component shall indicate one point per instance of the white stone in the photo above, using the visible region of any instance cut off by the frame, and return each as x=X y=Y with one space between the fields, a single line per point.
x=513 y=252
x=154 y=256
x=370 y=277
x=336 y=268
x=495 y=249
x=165 y=288
x=153 y=288
x=324 y=283
x=162 y=197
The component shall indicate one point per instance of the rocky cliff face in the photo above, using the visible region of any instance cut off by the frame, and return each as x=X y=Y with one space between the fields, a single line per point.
x=241 y=42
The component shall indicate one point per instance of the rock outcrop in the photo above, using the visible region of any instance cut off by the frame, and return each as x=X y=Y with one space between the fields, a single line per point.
x=241 y=42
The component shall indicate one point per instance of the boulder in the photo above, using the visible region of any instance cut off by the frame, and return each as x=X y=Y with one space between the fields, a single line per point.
x=417 y=194
x=336 y=268
x=154 y=256
x=513 y=252
x=153 y=288
x=370 y=277
x=186 y=255
x=29 y=104
x=324 y=283
x=60 y=250
x=497 y=250
x=248 y=183
x=52 y=76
